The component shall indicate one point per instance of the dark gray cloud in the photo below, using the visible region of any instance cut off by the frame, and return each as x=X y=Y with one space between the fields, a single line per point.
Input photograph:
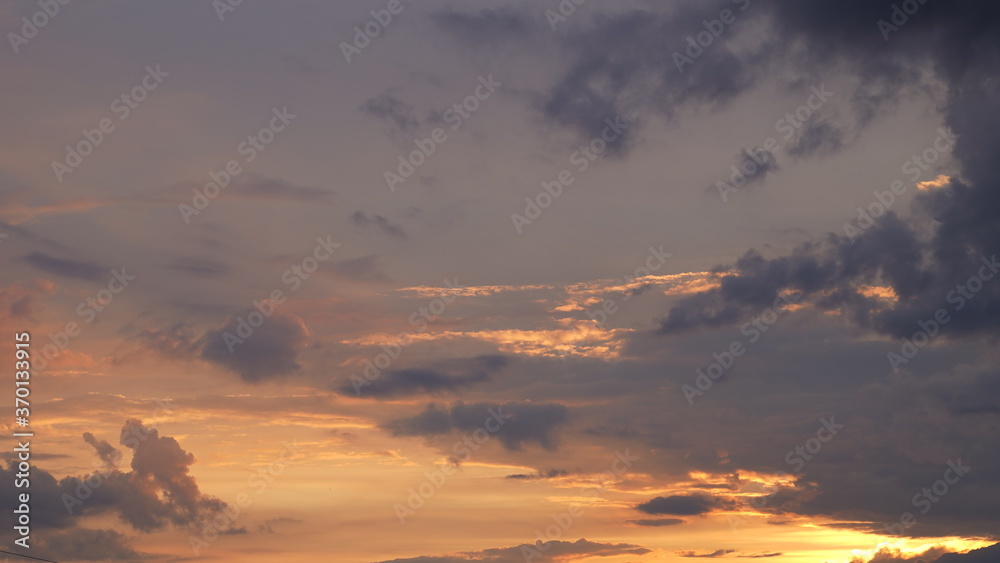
x=434 y=420
x=448 y=377
x=362 y=219
x=755 y=165
x=682 y=505
x=952 y=231
x=875 y=472
x=159 y=462
x=831 y=275
x=156 y=493
x=268 y=352
x=983 y=555
x=67 y=268
x=817 y=136
x=46 y=502
x=901 y=430
x=622 y=64
x=529 y=423
x=657 y=522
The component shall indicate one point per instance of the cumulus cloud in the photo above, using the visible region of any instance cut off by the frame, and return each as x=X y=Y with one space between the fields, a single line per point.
x=156 y=493
x=160 y=464
x=951 y=232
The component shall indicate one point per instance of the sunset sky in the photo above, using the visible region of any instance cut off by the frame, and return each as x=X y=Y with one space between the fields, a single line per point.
x=503 y=281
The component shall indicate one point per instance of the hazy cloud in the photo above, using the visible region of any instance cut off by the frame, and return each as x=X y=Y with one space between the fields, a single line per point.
x=78 y=269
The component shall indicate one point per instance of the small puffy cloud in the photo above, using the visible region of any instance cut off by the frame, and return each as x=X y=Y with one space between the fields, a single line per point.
x=268 y=352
